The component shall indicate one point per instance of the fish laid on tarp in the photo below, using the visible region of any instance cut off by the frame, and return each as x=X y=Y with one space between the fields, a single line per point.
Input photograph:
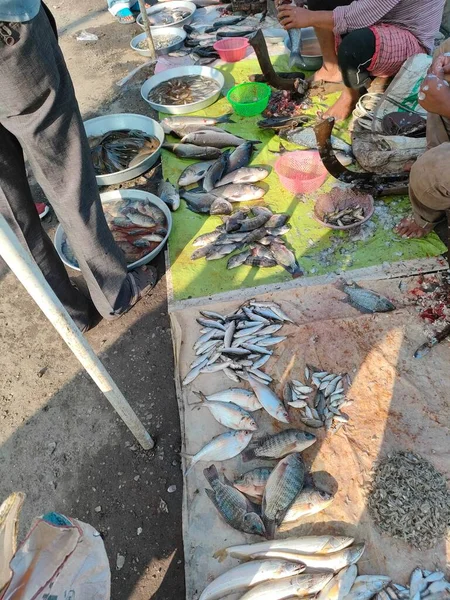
x=240 y=157
x=252 y=483
x=280 y=444
x=307 y=138
x=223 y=447
x=364 y=300
x=244 y=576
x=269 y=400
x=300 y=586
x=283 y=486
x=366 y=586
x=234 y=507
x=240 y=192
x=340 y=585
x=310 y=544
x=286 y=259
x=170 y=123
x=333 y=561
x=308 y=502
x=215 y=172
x=230 y=415
x=244 y=175
x=192 y=151
x=194 y=173
x=221 y=139
x=169 y=194
x=243 y=398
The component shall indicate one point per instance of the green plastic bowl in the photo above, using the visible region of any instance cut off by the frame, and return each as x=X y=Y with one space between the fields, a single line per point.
x=249 y=99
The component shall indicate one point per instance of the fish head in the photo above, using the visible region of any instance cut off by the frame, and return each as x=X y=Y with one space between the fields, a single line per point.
x=305 y=436
x=289 y=569
x=323 y=496
x=282 y=415
x=252 y=523
x=251 y=424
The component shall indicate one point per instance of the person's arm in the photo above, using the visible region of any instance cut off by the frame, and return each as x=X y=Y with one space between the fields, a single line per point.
x=434 y=95
x=357 y=15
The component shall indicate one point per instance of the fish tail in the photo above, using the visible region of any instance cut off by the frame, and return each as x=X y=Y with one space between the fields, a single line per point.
x=248 y=455
x=296 y=271
x=202 y=397
x=187 y=457
x=211 y=474
x=296 y=60
x=271 y=528
x=225 y=118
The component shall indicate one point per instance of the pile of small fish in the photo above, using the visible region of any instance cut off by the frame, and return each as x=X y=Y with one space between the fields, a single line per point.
x=274 y=570
x=184 y=90
x=121 y=149
x=423 y=584
x=325 y=409
x=348 y=216
x=168 y=16
x=160 y=41
x=409 y=500
x=238 y=344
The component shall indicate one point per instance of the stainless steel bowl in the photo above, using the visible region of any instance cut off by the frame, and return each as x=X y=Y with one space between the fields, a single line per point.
x=190 y=6
x=101 y=125
x=113 y=197
x=312 y=62
x=177 y=73
x=174 y=31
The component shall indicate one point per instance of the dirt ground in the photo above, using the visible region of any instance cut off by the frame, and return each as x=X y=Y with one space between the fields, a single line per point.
x=60 y=441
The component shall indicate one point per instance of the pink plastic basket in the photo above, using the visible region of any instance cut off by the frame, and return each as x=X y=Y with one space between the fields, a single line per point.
x=232 y=49
x=301 y=171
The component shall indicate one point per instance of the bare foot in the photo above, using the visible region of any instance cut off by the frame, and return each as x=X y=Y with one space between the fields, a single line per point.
x=344 y=105
x=327 y=75
x=408 y=228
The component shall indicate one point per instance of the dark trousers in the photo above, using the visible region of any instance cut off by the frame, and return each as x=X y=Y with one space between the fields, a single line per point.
x=39 y=116
x=356 y=50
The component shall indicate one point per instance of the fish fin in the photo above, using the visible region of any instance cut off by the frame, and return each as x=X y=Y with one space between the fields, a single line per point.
x=221 y=554
x=227 y=481
x=225 y=118
x=248 y=455
x=188 y=457
x=211 y=474
x=296 y=60
x=362 y=309
x=202 y=397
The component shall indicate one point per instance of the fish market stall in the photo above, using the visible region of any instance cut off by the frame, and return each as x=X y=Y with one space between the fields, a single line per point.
x=390 y=403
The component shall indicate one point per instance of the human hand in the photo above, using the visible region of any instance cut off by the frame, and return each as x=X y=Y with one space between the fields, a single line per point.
x=294 y=17
x=279 y=3
x=440 y=66
x=434 y=95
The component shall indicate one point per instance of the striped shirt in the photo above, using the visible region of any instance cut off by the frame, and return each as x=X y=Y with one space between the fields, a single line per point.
x=421 y=17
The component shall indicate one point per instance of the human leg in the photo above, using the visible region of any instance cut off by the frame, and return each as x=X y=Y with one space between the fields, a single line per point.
x=429 y=192
x=121 y=10
x=329 y=72
x=38 y=107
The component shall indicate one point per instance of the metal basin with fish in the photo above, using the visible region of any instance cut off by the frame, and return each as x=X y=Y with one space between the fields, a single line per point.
x=114 y=197
x=101 y=125
x=176 y=33
x=177 y=7
x=310 y=49
x=176 y=75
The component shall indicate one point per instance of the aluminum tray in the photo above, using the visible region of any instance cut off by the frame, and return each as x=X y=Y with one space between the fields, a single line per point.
x=172 y=4
x=175 y=31
x=176 y=74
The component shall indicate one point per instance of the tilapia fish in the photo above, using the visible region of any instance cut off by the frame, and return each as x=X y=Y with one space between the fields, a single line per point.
x=230 y=415
x=121 y=149
x=365 y=300
x=234 y=507
x=300 y=586
x=323 y=544
x=253 y=483
x=223 y=447
x=308 y=502
x=170 y=124
x=280 y=445
x=307 y=138
x=286 y=259
x=284 y=484
x=244 y=576
x=169 y=195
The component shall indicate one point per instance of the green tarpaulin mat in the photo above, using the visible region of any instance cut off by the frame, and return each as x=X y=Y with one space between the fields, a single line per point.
x=318 y=250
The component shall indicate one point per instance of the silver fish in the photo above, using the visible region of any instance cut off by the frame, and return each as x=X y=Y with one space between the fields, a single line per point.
x=192 y=151
x=366 y=586
x=194 y=372
x=222 y=447
x=240 y=157
x=300 y=586
x=194 y=173
x=243 y=398
x=244 y=576
x=340 y=585
x=240 y=192
x=231 y=415
x=244 y=175
x=215 y=172
x=308 y=502
x=168 y=123
x=214 y=139
x=269 y=400
x=365 y=300
x=274 y=307
x=234 y=507
x=283 y=486
x=306 y=137
x=169 y=195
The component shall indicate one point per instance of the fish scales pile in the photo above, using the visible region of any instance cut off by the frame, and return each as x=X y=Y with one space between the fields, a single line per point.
x=323 y=409
x=120 y=149
x=238 y=344
x=409 y=500
x=256 y=234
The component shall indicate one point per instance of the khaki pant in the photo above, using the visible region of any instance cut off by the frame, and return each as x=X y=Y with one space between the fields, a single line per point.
x=429 y=184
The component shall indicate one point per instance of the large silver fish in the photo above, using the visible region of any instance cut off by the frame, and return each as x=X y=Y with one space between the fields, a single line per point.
x=194 y=173
x=300 y=586
x=365 y=300
x=240 y=192
x=307 y=138
x=280 y=444
x=192 y=151
x=244 y=576
x=240 y=157
x=269 y=400
x=283 y=486
x=169 y=194
x=215 y=172
x=366 y=586
x=170 y=123
x=223 y=447
x=230 y=415
x=214 y=139
x=244 y=175
x=234 y=507
x=243 y=398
